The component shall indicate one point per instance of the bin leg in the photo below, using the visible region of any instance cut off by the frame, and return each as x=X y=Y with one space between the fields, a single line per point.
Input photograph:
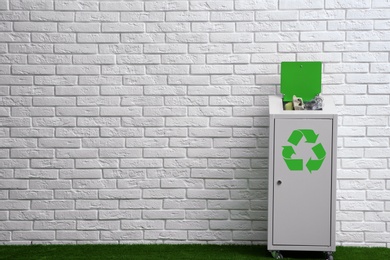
x=276 y=254
x=329 y=255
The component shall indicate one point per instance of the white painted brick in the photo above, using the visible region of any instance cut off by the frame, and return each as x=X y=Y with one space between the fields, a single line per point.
x=186 y=16
x=232 y=16
x=231 y=37
x=77 y=235
x=121 y=6
x=35 y=27
x=53 y=37
x=210 y=48
x=37 y=69
x=30 y=48
x=78 y=27
x=72 y=214
x=300 y=4
x=232 y=79
x=58 y=142
x=277 y=37
x=143 y=38
x=138 y=59
x=52 y=16
x=123 y=27
x=211 y=5
x=168 y=27
x=78 y=174
x=77 y=70
x=4 y=5
x=210 y=111
x=97 y=16
x=31 y=5
x=98 y=38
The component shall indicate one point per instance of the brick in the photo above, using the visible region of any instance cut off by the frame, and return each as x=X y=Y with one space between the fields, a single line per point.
x=85 y=153
x=32 y=153
x=188 y=80
x=232 y=16
x=143 y=38
x=75 y=6
x=31 y=5
x=97 y=225
x=79 y=27
x=163 y=48
x=211 y=5
x=231 y=37
x=210 y=235
x=124 y=153
x=46 y=16
x=120 y=48
x=142 y=224
x=186 y=16
x=35 y=70
x=4 y=5
x=168 y=27
x=98 y=38
x=210 y=48
x=30 y=48
x=31 y=215
x=138 y=59
x=163 y=214
x=254 y=5
x=123 y=27
x=15 y=101
x=144 y=163
x=187 y=38
x=73 y=214
x=14 y=37
x=136 y=121
x=36 y=173
x=168 y=173
x=33 y=235
x=147 y=142
x=53 y=121
x=126 y=6
x=30 y=195
x=35 y=27
x=54 y=37
x=212 y=27
x=166 y=6
x=78 y=235
x=79 y=174
x=187 y=224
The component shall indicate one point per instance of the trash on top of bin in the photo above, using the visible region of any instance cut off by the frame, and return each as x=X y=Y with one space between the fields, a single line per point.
x=301 y=85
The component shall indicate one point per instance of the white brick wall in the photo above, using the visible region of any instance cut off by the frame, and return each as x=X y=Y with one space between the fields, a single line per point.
x=146 y=121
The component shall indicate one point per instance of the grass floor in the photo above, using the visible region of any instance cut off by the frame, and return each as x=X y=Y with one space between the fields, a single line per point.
x=173 y=252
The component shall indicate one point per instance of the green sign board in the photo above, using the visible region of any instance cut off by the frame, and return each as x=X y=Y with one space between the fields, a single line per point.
x=302 y=79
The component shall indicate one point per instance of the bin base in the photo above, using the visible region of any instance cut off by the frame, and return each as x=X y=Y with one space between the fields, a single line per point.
x=276 y=254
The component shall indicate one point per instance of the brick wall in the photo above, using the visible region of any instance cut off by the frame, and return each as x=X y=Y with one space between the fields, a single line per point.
x=146 y=121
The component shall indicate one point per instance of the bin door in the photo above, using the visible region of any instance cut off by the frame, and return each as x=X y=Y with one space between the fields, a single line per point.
x=302 y=182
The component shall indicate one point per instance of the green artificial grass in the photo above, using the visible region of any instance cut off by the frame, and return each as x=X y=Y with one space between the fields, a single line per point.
x=179 y=252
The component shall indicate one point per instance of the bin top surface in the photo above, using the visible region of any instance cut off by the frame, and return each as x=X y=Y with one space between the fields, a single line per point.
x=302 y=79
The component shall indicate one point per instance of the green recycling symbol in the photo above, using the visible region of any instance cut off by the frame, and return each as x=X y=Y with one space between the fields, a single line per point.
x=318 y=150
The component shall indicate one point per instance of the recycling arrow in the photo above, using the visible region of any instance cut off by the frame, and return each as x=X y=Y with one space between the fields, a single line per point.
x=296 y=136
x=288 y=151
x=296 y=164
x=320 y=153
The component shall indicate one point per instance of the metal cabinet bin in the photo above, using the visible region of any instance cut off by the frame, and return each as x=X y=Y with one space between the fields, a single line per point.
x=302 y=179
